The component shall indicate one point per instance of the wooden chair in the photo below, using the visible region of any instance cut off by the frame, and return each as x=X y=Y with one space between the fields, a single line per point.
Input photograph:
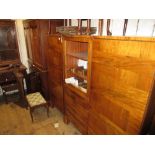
x=35 y=100
x=34 y=97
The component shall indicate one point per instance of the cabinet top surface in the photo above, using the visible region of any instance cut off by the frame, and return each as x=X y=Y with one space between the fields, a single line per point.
x=128 y=38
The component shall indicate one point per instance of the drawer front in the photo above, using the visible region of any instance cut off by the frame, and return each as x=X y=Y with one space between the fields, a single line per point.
x=82 y=127
x=55 y=82
x=76 y=110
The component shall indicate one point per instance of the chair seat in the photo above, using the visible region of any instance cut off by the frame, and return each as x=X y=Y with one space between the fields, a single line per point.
x=35 y=99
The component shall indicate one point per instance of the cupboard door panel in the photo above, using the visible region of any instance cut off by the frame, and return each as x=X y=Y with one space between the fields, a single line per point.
x=122 y=75
x=56 y=88
x=55 y=72
x=55 y=52
x=114 y=112
x=55 y=75
x=56 y=58
x=100 y=125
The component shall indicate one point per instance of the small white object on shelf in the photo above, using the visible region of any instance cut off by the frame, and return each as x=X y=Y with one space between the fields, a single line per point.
x=74 y=82
x=82 y=63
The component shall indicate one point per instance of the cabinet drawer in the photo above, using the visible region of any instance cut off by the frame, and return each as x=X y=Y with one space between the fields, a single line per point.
x=82 y=127
x=82 y=102
x=76 y=109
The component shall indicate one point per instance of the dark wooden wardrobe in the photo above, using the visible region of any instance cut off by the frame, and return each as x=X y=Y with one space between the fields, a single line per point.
x=36 y=33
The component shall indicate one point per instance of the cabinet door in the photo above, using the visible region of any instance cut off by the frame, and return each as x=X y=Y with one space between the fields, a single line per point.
x=120 y=85
x=55 y=54
x=35 y=42
x=55 y=72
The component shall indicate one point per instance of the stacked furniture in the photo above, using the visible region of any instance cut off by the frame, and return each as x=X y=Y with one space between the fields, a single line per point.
x=102 y=84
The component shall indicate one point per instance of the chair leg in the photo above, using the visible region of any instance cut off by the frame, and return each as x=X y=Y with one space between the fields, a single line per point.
x=31 y=111
x=5 y=97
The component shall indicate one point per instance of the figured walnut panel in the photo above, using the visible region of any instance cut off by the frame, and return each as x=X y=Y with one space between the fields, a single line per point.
x=122 y=77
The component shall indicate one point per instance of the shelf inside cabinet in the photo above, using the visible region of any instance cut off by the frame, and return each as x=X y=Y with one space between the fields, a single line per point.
x=80 y=76
x=77 y=87
x=79 y=55
x=76 y=65
x=80 y=84
x=78 y=72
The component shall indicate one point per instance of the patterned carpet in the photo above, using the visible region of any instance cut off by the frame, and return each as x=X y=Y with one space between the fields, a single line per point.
x=16 y=120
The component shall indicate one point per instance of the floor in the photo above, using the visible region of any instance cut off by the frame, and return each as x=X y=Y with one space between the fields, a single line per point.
x=16 y=120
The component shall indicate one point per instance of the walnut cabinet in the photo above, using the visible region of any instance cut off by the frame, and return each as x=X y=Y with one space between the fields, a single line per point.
x=118 y=98
x=122 y=85
x=103 y=85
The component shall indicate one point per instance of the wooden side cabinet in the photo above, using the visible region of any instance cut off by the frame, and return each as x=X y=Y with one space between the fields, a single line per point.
x=55 y=71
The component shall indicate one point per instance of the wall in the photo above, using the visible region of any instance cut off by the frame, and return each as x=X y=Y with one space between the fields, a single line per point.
x=135 y=27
